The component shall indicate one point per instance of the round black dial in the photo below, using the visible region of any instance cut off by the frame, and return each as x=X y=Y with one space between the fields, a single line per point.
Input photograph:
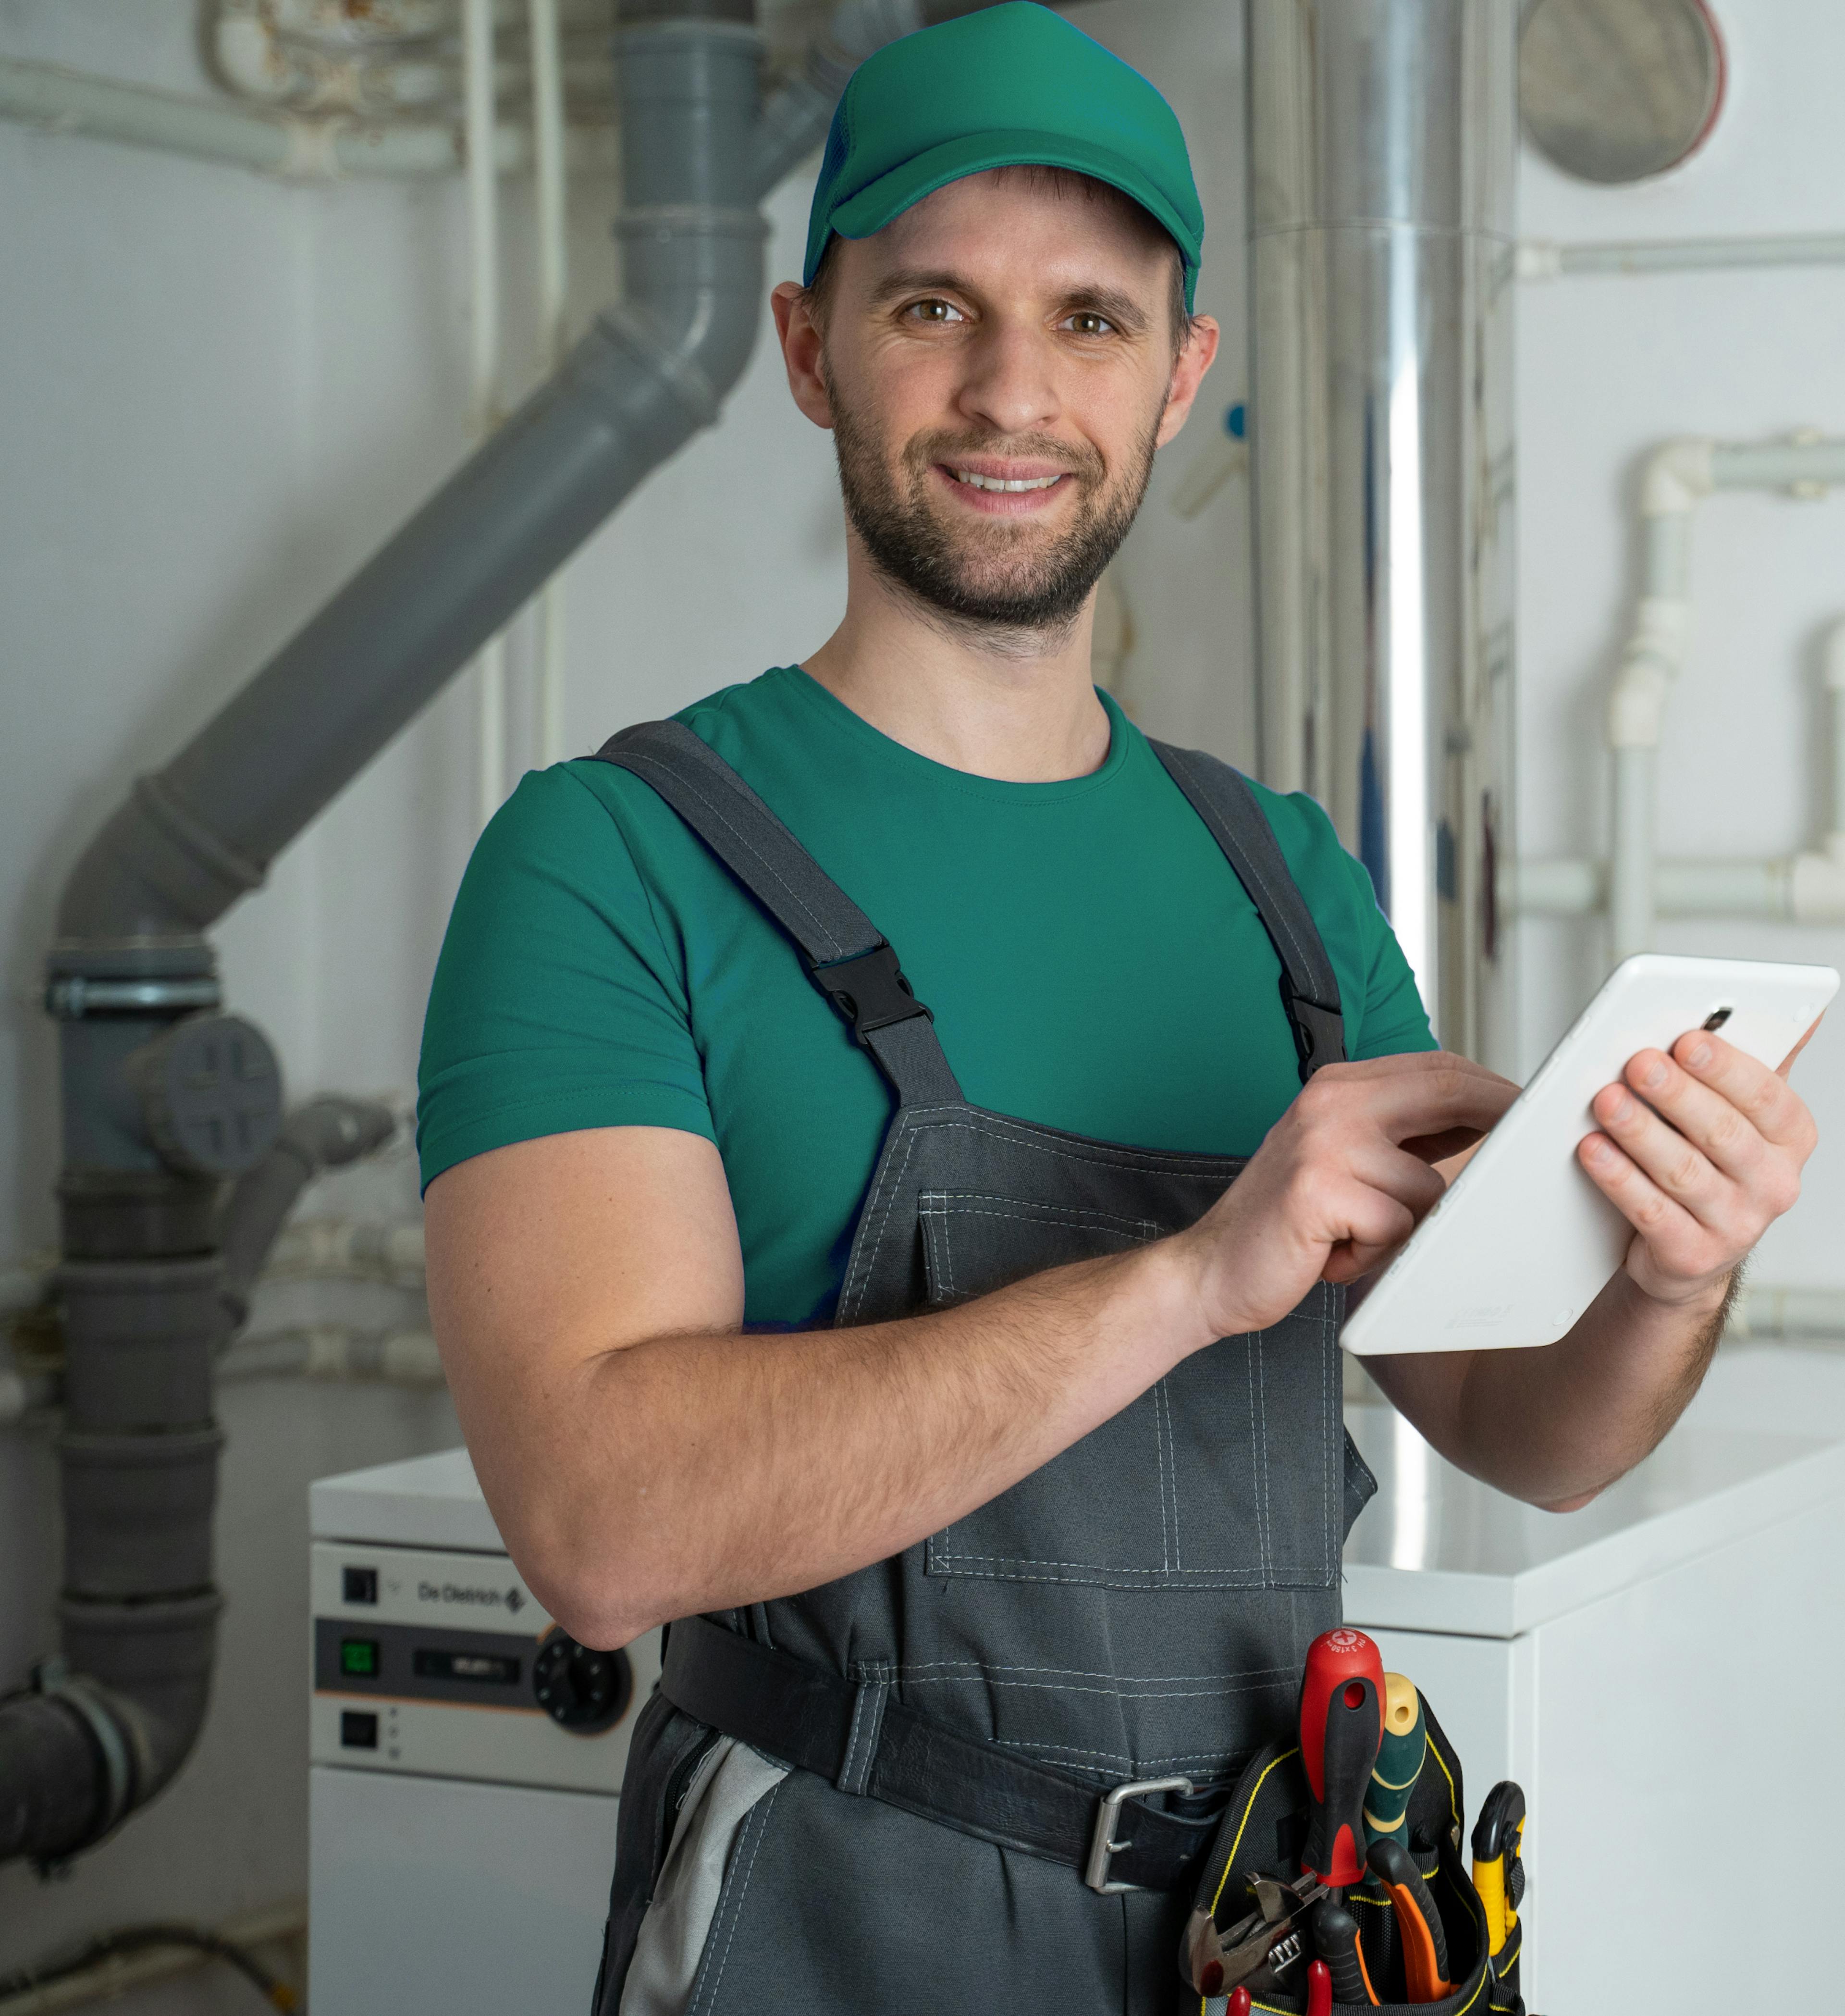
x=584 y=1690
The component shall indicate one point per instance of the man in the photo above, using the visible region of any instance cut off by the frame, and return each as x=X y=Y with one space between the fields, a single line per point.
x=928 y=1364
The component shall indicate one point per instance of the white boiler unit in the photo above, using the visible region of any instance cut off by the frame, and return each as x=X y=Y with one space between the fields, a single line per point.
x=466 y=1754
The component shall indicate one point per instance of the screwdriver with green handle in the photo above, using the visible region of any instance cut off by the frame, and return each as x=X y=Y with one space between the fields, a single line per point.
x=1399 y=1762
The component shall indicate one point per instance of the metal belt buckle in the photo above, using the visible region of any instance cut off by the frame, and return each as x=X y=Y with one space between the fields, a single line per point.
x=1102 y=1843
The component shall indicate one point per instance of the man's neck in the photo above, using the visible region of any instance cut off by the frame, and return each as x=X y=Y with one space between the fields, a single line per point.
x=1012 y=704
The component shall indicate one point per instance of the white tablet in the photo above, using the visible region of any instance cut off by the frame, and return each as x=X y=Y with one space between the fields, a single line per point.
x=1523 y=1242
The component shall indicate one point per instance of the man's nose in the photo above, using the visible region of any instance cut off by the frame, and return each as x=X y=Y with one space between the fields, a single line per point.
x=1011 y=381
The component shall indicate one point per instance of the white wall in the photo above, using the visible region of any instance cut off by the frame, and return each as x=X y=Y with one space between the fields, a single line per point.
x=216 y=394
x=1607 y=369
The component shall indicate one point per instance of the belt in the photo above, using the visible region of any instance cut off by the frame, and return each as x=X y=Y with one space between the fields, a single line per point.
x=871 y=1746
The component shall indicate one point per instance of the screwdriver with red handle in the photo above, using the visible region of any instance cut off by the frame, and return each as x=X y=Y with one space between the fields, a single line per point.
x=1341 y=1727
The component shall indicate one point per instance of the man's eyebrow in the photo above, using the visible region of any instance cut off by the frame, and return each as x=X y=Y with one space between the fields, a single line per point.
x=918 y=280
x=1121 y=309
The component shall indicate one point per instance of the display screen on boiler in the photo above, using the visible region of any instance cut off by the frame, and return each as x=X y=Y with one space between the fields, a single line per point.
x=491 y=1668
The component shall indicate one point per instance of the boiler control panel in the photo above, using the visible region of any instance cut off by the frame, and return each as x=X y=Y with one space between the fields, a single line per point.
x=445 y=1665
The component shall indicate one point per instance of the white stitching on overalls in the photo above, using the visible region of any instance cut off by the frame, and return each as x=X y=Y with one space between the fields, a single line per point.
x=736 y=1915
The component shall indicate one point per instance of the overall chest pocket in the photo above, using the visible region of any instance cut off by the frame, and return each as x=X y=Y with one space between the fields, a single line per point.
x=1227 y=1474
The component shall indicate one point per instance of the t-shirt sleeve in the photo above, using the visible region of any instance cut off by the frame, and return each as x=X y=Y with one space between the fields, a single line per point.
x=1394 y=1020
x=1384 y=1015
x=556 y=1004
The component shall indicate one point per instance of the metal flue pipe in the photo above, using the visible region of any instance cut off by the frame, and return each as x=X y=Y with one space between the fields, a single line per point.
x=1382 y=139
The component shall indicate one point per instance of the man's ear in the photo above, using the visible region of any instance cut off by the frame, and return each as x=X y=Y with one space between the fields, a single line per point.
x=802 y=352
x=1187 y=374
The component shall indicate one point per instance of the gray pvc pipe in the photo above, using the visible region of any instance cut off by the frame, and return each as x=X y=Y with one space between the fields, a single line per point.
x=650 y=372
x=326 y=1133
x=189 y=841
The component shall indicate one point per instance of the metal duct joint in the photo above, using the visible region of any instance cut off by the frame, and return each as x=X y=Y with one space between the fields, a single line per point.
x=1382 y=149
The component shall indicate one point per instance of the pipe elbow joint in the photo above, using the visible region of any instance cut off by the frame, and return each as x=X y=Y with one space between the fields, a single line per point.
x=1679 y=476
x=1637 y=705
x=155 y=873
x=690 y=305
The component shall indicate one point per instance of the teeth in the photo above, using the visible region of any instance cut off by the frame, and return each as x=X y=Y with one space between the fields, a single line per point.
x=967 y=476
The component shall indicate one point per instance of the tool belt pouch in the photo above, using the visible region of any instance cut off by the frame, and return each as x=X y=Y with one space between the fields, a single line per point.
x=1262 y=1833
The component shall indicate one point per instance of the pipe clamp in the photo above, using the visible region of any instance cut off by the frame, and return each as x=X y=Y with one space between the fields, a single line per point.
x=73 y=995
x=53 y=1678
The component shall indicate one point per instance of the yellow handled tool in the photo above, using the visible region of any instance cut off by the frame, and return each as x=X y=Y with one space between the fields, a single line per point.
x=1498 y=1871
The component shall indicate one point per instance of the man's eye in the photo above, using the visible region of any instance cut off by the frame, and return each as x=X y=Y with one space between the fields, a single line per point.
x=938 y=312
x=1085 y=321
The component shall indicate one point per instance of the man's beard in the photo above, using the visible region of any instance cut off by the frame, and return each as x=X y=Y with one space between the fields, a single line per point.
x=1005 y=574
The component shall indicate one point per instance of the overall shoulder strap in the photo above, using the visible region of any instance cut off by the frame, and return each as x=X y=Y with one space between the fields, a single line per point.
x=1222 y=798
x=848 y=958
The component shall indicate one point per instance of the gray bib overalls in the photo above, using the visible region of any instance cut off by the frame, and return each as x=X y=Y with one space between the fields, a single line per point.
x=1139 y=1609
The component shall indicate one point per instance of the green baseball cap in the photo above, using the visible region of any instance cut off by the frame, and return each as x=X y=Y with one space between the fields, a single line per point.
x=1010 y=86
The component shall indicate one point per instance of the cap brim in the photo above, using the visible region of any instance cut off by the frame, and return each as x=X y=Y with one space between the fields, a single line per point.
x=881 y=202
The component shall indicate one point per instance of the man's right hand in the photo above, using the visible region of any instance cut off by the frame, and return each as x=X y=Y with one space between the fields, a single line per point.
x=1342 y=1178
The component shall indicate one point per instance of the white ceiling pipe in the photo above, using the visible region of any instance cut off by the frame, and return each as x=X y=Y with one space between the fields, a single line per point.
x=1544 y=259
x=273 y=143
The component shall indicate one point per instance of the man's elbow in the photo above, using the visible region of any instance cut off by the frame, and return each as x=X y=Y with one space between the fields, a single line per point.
x=1573 y=1503
x=603 y=1607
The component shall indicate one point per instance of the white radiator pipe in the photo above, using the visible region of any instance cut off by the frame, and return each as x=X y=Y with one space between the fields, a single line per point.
x=1544 y=259
x=337 y=1351
x=246 y=136
x=1678 y=476
x=1808 y=1312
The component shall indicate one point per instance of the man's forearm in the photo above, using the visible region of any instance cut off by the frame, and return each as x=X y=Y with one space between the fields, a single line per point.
x=702 y=1472
x=1555 y=1426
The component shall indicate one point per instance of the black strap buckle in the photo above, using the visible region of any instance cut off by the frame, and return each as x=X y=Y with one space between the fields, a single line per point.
x=869 y=992
x=1319 y=1033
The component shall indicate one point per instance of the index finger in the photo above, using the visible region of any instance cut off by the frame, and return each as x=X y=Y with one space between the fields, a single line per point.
x=1761 y=1096
x=1421 y=1093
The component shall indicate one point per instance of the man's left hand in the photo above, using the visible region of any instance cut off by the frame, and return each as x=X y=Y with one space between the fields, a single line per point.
x=1701 y=1150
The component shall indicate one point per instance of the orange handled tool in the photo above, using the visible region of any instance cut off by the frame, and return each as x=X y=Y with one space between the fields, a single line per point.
x=1341 y=1725
x=1419 y=1922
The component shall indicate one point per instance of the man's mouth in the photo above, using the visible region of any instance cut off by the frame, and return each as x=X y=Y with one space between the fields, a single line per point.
x=976 y=481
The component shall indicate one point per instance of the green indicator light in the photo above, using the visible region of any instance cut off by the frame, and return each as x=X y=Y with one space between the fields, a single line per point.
x=359 y=1657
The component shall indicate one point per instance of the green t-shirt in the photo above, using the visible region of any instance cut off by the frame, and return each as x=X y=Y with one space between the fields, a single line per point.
x=1092 y=961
